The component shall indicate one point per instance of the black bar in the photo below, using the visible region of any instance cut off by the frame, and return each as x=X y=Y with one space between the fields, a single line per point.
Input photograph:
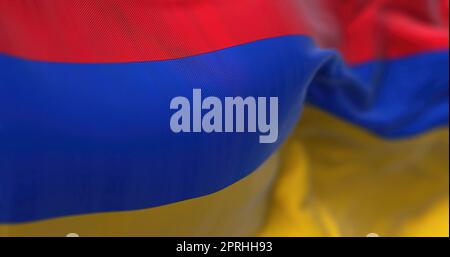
x=234 y=246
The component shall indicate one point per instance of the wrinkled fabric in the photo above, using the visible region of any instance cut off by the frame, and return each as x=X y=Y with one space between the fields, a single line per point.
x=84 y=140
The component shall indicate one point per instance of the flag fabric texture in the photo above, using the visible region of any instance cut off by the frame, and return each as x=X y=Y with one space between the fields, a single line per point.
x=86 y=147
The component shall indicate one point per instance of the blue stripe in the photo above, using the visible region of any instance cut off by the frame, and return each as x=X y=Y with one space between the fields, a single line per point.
x=391 y=98
x=84 y=138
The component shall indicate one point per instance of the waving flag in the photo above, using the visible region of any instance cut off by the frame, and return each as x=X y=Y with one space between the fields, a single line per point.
x=85 y=89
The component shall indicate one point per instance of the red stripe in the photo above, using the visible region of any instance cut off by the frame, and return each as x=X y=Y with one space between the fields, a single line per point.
x=125 y=31
x=388 y=29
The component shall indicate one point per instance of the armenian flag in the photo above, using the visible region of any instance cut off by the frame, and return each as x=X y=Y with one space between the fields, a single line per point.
x=86 y=145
